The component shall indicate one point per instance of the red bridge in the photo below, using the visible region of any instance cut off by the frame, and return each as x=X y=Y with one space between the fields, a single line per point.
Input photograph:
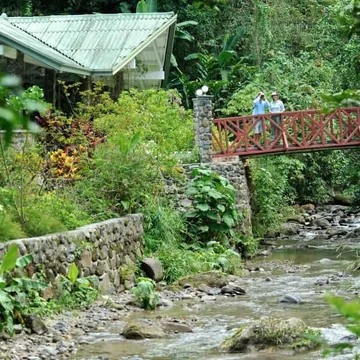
x=299 y=131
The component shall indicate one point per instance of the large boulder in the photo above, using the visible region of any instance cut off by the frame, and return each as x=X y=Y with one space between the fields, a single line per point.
x=138 y=330
x=290 y=228
x=152 y=268
x=212 y=279
x=269 y=332
x=321 y=223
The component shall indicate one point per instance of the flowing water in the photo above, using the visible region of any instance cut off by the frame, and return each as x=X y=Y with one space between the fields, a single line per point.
x=291 y=269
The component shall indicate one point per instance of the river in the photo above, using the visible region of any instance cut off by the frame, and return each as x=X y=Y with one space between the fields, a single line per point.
x=294 y=267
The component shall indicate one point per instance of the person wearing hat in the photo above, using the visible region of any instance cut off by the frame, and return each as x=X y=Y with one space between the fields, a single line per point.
x=276 y=106
x=259 y=106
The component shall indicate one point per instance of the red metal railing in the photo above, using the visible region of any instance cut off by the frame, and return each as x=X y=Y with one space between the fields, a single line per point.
x=298 y=131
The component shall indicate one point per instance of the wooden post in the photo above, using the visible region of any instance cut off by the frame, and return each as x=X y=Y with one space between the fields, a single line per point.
x=54 y=81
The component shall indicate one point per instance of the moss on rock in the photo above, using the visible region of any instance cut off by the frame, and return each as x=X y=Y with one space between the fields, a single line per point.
x=270 y=332
x=214 y=279
x=138 y=331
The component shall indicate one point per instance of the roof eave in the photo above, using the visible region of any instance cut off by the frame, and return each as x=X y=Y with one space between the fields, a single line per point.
x=140 y=48
x=59 y=66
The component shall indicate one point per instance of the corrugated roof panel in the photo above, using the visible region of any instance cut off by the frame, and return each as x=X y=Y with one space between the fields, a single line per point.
x=96 y=41
x=33 y=47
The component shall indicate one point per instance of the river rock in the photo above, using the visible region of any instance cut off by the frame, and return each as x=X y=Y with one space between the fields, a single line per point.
x=290 y=228
x=232 y=289
x=266 y=332
x=290 y=299
x=176 y=327
x=213 y=279
x=336 y=232
x=35 y=324
x=321 y=223
x=295 y=218
x=204 y=288
x=208 y=298
x=308 y=207
x=152 y=268
x=165 y=303
x=139 y=330
x=325 y=261
x=322 y=281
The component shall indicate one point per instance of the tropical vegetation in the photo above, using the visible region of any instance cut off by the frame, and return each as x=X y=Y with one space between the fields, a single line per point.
x=108 y=157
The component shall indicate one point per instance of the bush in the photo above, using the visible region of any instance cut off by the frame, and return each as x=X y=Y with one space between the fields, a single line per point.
x=185 y=259
x=16 y=293
x=39 y=222
x=63 y=207
x=156 y=115
x=145 y=293
x=163 y=225
x=214 y=214
x=120 y=177
x=9 y=229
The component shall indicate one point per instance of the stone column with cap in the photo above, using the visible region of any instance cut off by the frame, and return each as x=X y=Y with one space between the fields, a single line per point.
x=202 y=126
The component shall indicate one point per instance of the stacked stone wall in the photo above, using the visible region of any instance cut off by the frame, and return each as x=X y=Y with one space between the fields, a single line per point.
x=108 y=250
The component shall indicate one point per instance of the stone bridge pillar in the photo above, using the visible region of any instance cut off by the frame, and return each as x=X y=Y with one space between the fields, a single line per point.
x=202 y=126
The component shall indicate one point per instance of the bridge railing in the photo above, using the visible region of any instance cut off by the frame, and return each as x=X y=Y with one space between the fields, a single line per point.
x=298 y=131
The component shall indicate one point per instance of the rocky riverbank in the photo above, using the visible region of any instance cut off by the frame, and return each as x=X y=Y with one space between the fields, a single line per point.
x=197 y=313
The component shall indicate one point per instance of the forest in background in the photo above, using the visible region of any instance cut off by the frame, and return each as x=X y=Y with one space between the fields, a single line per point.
x=306 y=50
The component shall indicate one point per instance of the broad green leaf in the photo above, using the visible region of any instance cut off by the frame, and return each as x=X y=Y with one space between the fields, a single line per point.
x=203 y=207
x=141 y=7
x=212 y=215
x=2 y=282
x=221 y=207
x=24 y=261
x=191 y=214
x=203 y=228
x=29 y=284
x=9 y=324
x=229 y=221
x=187 y=23
x=73 y=273
x=9 y=259
x=215 y=194
x=6 y=301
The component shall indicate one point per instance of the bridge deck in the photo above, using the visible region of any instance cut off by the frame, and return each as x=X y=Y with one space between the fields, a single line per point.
x=299 y=131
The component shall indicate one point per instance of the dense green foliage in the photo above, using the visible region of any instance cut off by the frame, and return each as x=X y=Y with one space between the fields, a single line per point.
x=16 y=292
x=21 y=295
x=113 y=154
x=214 y=214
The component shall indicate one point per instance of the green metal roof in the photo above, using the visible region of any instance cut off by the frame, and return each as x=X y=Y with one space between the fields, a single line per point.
x=84 y=44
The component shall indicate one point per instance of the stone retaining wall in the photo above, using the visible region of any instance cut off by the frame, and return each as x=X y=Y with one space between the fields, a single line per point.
x=108 y=250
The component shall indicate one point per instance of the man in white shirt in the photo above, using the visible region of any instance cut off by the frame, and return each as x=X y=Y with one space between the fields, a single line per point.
x=276 y=106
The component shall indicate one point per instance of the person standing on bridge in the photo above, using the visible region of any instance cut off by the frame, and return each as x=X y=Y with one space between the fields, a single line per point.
x=276 y=106
x=259 y=106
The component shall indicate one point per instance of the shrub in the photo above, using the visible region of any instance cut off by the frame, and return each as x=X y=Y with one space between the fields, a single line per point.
x=76 y=292
x=145 y=293
x=120 y=177
x=163 y=225
x=39 y=222
x=16 y=293
x=185 y=259
x=214 y=214
x=157 y=115
x=63 y=207
x=9 y=229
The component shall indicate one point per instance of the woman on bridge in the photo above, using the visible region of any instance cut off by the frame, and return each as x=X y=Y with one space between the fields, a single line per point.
x=276 y=106
x=260 y=104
